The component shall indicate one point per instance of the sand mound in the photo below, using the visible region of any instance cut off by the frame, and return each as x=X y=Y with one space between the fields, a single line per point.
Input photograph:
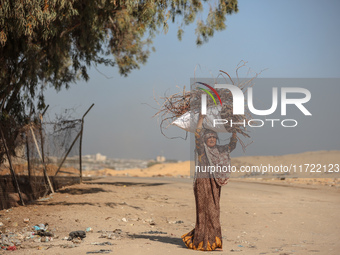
x=169 y=169
x=182 y=169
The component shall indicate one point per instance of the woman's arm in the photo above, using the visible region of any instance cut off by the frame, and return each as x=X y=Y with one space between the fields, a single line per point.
x=198 y=135
x=200 y=122
x=233 y=142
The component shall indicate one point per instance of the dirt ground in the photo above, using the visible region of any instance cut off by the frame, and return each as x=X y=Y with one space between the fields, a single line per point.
x=130 y=215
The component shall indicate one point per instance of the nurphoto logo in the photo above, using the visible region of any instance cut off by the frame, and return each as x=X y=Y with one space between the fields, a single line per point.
x=239 y=104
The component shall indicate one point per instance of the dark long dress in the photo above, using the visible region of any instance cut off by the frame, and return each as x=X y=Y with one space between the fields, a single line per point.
x=206 y=235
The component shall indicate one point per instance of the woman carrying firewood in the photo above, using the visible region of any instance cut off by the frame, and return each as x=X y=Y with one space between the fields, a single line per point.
x=210 y=157
x=212 y=166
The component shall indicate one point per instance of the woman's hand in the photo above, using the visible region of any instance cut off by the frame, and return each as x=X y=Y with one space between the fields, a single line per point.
x=200 y=121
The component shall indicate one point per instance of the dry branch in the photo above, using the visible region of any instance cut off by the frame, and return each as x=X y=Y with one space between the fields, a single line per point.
x=174 y=106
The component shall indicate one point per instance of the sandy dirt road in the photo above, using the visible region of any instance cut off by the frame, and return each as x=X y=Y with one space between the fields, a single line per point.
x=150 y=214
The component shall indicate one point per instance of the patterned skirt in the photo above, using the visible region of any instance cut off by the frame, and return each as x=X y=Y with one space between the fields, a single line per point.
x=206 y=236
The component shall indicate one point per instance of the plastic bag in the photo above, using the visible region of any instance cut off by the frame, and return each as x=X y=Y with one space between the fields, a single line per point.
x=188 y=121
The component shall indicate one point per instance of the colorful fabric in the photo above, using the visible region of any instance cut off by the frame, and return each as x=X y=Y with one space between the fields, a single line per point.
x=206 y=236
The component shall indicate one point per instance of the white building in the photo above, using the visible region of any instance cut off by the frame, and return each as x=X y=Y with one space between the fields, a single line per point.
x=100 y=157
x=160 y=159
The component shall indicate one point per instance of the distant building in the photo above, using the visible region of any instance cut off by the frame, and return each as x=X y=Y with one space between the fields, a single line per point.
x=100 y=157
x=99 y=161
x=160 y=159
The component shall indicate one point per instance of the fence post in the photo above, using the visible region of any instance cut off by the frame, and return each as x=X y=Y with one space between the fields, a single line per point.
x=41 y=135
x=11 y=167
x=80 y=145
x=80 y=154
x=44 y=165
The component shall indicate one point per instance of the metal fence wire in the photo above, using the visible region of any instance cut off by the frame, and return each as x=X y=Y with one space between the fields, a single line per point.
x=47 y=149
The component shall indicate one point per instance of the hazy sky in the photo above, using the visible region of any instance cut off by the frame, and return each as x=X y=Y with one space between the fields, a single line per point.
x=291 y=39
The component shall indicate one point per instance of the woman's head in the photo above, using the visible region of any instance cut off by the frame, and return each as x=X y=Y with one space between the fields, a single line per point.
x=210 y=138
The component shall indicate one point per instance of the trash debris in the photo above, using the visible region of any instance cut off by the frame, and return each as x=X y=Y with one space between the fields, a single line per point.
x=45 y=198
x=5 y=241
x=149 y=220
x=26 y=220
x=154 y=232
x=124 y=220
x=44 y=233
x=80 y=233
x=235 y=250
x=11 y=248
x=176 y=222
x=115 y=234
x=89 y=229
x=99 y=251
x=68 y=245
x=104 y=243
x=8 y=248
x=46 y=239
x=41 y=227
x=41 y=230
x=77 y=240
x=37 y=240
x=112 y=236
x=117 y=230
x=25 y=237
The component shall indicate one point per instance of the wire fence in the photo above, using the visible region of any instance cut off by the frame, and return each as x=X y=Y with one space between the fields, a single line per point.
x=46 y=149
